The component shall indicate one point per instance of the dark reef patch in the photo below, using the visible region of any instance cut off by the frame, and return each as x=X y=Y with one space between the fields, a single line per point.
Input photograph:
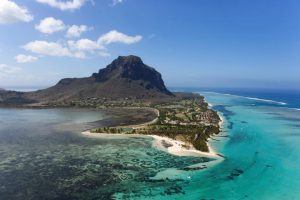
x=235 y=173
x=223 y=110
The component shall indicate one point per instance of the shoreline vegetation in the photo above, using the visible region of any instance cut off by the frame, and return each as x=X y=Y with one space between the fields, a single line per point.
x=182 y=127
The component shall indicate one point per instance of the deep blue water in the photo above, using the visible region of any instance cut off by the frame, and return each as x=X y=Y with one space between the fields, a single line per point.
x=290 y=97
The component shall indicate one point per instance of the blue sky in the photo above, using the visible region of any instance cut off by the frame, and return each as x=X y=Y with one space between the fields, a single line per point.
x=200 y=43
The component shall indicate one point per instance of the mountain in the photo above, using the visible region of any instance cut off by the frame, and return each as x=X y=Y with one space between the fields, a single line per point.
x=125 y=77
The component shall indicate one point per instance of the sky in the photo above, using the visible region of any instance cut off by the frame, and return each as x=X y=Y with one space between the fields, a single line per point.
x=195 y=43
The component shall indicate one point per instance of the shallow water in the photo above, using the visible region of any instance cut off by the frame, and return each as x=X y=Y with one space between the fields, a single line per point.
x=263 y=143
x=43 y=156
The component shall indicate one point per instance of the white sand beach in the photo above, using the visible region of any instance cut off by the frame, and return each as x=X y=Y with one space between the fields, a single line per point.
x=166 y=144
x=180 y=148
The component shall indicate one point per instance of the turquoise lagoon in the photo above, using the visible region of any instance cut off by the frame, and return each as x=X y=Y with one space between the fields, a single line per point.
x=44 y=156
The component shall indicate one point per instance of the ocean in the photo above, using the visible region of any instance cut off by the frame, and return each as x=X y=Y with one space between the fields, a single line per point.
x=44 y=156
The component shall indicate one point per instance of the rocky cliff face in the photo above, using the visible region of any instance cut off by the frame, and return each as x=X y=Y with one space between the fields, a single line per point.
x=132 y=68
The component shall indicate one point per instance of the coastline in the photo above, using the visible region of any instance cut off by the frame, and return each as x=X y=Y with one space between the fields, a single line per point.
x=169 y=145
x=163 y=143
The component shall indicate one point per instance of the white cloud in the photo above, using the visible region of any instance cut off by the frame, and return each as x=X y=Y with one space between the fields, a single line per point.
x=50 y=25
x=10 y=12
x=7 y=70
x=76 y=31
x=21 y=58
x=84 y=45
x=115 y=36
x=79 y=54
x=115 y=2
x=104 y=54
x=47 y=48
x=53 y=49
x=64 y=5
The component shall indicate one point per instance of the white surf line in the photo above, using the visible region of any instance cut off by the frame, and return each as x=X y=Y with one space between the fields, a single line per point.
x=209 y=104
x=298 y=109
x=252 y=98
x=267 y=100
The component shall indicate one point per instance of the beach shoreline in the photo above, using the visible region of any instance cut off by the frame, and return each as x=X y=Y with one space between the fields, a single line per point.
x=179 y=148
x=163 y=143
x=171 y=146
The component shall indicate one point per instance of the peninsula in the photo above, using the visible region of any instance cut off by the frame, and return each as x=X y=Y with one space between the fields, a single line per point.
x=128 y=83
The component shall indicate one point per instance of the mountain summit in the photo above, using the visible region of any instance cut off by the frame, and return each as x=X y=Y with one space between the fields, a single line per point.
x=125 y=77
x=131 y=68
